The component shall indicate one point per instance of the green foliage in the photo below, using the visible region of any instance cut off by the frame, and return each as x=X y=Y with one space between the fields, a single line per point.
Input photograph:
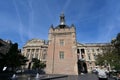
x=116 y=51
x=117 y=44
x=37 y=64
x=13 y=58
x=111 y=54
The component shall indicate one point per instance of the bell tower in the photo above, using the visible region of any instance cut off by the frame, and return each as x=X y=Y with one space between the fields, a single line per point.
x=62 y=55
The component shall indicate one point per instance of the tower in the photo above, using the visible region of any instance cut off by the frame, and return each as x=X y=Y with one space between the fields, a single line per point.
x=62 y=55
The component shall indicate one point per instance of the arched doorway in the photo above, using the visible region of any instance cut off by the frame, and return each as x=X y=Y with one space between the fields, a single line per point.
x=85 y=67
x=82 y=67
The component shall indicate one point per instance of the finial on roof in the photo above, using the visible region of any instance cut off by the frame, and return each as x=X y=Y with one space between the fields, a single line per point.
x=62 y=19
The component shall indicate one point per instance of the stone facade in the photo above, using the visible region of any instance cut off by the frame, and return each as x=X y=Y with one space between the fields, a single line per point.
x=88 y=53
x=63 y=54
x=35 y=48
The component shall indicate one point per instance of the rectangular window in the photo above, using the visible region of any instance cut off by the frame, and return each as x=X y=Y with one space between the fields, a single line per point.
x=44 y=56
x=28 y=50
x=94 y=54
x=89 y=56
x=92 y=50
x=82 y=51
x=98 y=50
x=78 y=51
x=37 y=50
x=33 y=50
x=61 y=42
x=61 y=55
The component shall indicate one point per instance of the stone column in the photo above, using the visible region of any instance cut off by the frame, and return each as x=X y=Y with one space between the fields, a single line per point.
x=80 y=57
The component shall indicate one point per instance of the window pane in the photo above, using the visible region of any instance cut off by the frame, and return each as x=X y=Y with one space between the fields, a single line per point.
x=37 y=50
x=28 y=50
x=61 y=55
x=61 y=42
x=89 y=56
x=44 y=56
x=33 y=50
x=78 y=51
x=94 y=54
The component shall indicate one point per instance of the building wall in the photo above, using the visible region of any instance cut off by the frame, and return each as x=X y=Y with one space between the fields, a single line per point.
x=91 y=52
x=62 y=51
x=35 y=48
x=67 y=65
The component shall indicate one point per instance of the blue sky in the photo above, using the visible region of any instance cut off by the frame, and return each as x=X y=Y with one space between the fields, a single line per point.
x=96 y=21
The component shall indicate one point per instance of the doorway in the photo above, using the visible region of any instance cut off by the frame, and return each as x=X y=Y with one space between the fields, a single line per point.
x=82 y=67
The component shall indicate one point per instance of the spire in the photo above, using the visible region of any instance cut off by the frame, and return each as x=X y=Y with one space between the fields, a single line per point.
x=62 y=19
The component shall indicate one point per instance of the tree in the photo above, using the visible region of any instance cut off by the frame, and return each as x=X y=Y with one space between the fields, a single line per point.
x=111 y=54
x=105 y=56
x=116 y=51
x=116 y=43
x=37 y=64
x=13 y=58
